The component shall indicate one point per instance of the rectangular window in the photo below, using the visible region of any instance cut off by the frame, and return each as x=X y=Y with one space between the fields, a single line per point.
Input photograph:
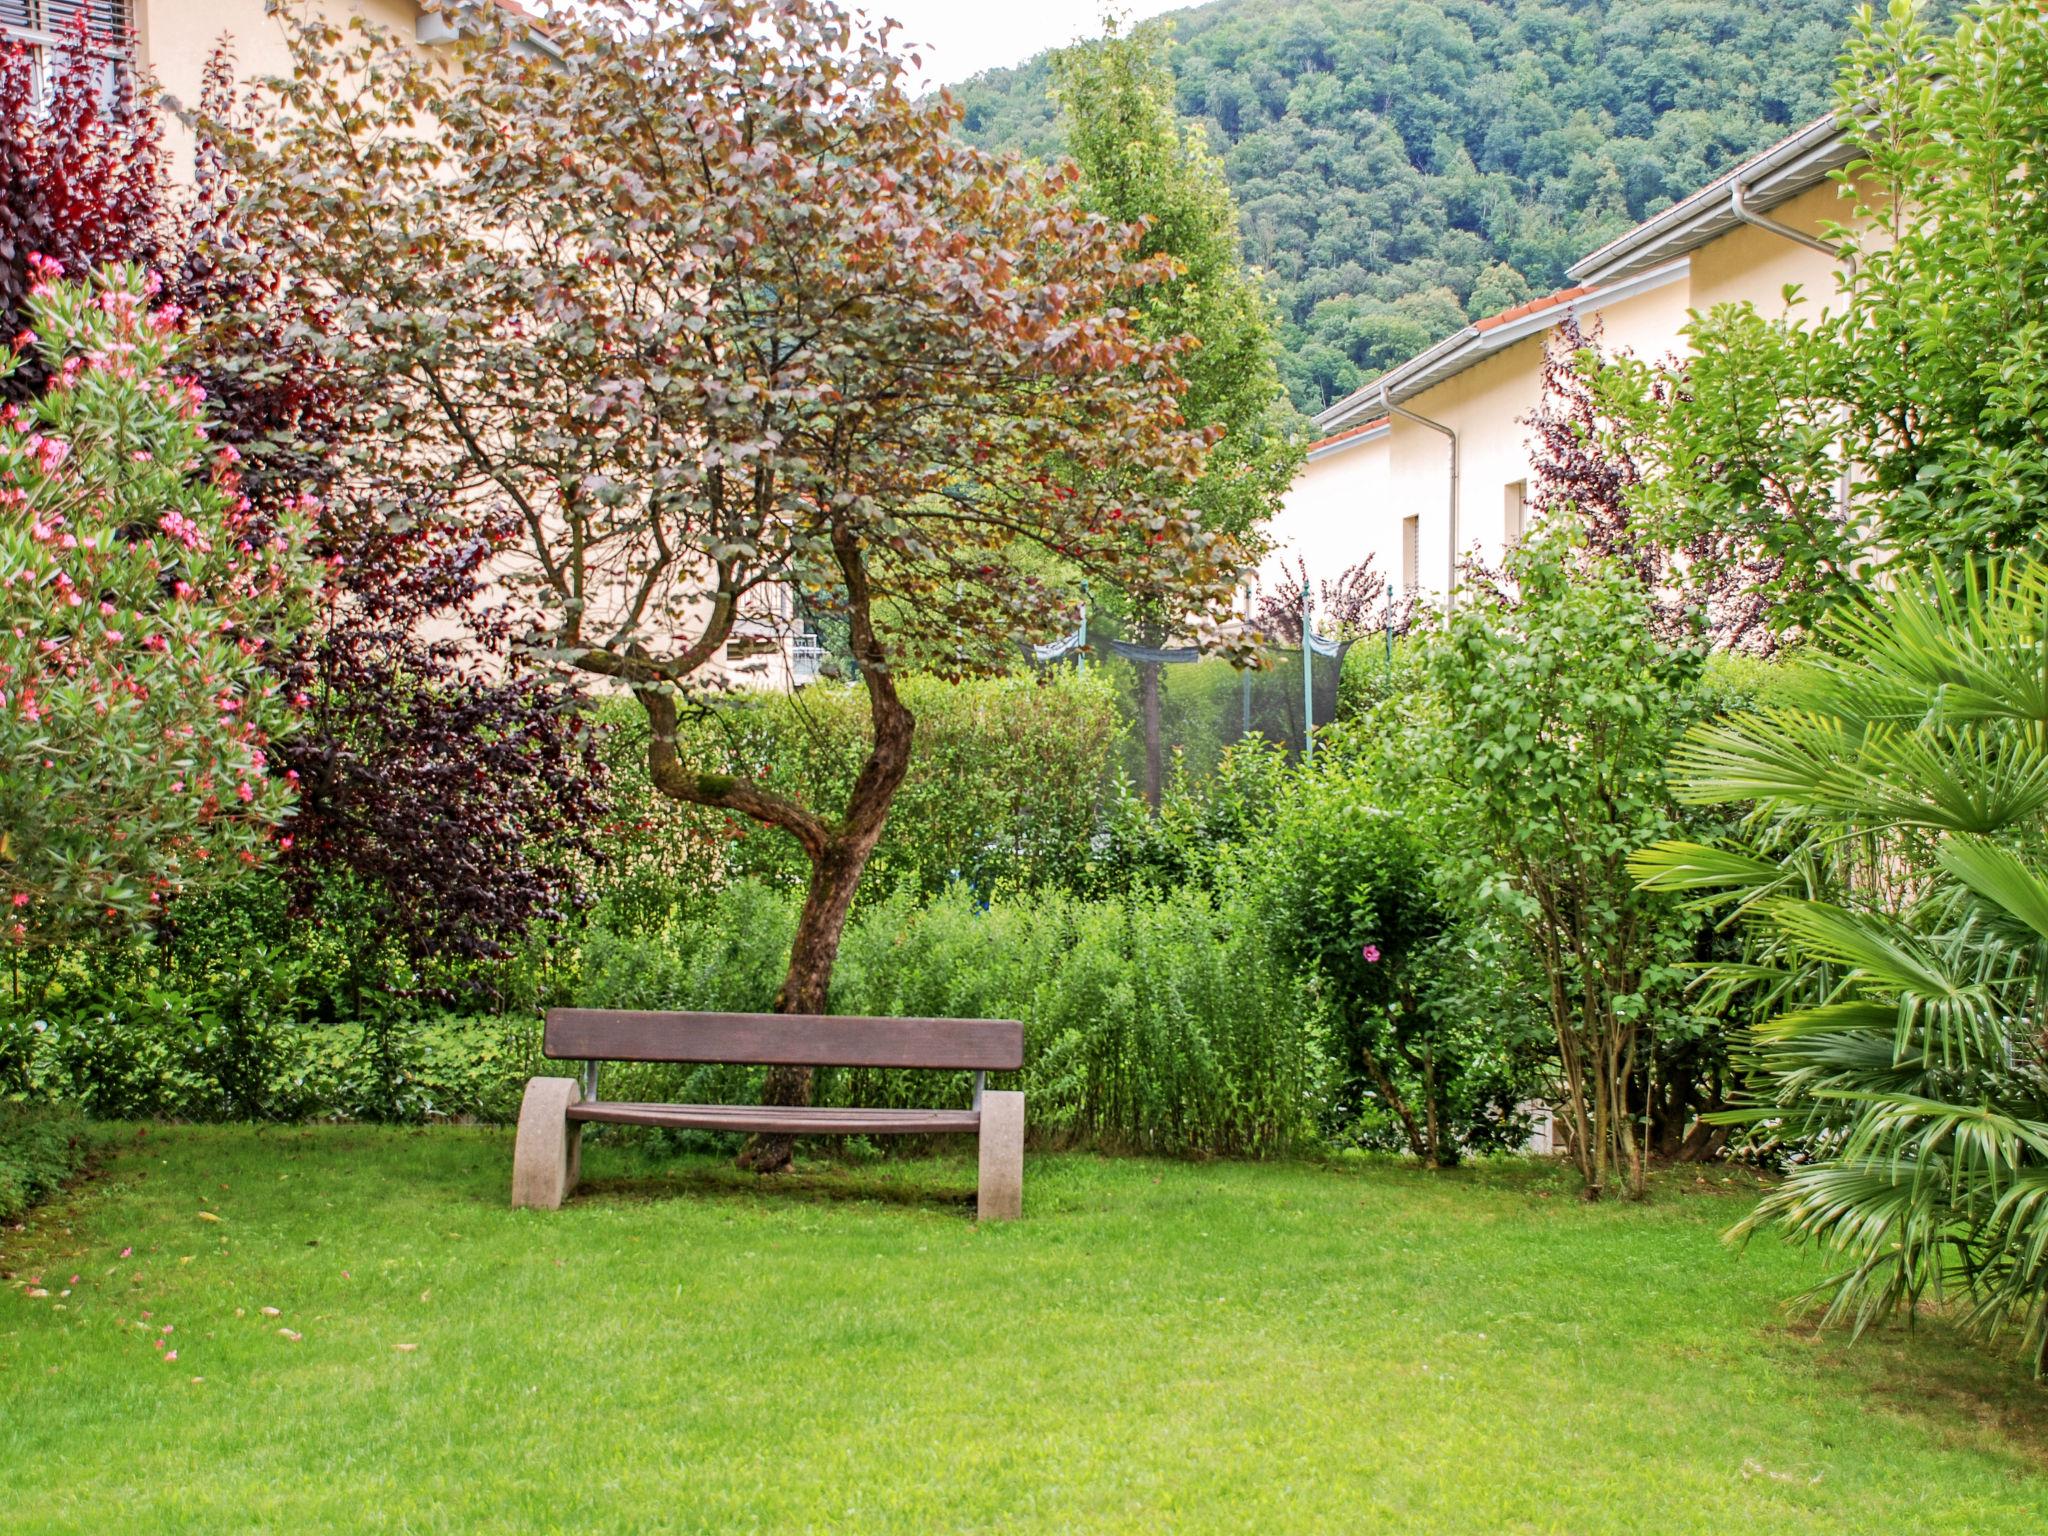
x=1514 y=507
x=1411 y=553
x=46 y=27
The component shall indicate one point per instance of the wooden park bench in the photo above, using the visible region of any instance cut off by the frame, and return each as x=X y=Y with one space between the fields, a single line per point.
x=547 y=1156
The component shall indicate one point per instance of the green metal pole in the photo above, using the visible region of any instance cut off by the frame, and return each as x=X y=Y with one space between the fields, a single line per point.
x=1308 y=682
x=1244 y=678
x=1081 y=651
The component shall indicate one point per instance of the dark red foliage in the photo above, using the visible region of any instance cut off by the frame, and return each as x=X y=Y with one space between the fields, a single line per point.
x=1584 y=471
x=82 y=180
x=451 y=781
x=455 y=783
x=1356 y=603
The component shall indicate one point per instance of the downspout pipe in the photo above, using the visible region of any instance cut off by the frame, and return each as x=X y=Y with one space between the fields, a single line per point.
x=1388 y=407
x=1748 y=215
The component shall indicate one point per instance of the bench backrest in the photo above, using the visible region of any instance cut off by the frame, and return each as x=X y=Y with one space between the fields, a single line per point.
x=784 y=1039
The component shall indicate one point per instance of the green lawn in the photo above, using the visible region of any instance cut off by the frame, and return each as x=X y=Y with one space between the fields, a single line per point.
x=1159 y=1347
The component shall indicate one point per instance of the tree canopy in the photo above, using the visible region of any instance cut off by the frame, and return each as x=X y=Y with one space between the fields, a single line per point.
x=1141 y=163
x=724 y=316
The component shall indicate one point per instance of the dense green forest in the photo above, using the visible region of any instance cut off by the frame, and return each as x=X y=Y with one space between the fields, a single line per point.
x=1406 y=165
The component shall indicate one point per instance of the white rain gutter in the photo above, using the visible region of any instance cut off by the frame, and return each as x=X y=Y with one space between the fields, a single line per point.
x=1387 y=405
x=1749 y=215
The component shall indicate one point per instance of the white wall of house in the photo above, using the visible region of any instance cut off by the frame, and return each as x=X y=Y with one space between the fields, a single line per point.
x=176 y=37
x=1355 y=501
x=1334 y=515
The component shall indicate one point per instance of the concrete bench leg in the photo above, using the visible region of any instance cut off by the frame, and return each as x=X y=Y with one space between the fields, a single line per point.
x=1000 y=1194
x=547 y=1156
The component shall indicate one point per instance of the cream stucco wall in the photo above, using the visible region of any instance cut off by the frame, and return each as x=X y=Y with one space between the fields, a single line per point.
x=1353 y=503
x=1755 y=265
x=1333 y=516
x=176 y=37
x=1488 y=406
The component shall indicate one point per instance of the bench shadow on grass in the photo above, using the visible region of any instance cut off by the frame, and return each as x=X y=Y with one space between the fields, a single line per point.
x=818 y=1184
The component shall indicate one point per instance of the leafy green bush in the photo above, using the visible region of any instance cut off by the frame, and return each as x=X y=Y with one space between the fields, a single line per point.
x=1007 y=777
x=174 y=1056
x=1198 y=819
x=1355 y=898
x=1539 y=755
x=1151 y=1023
x=39 y=1149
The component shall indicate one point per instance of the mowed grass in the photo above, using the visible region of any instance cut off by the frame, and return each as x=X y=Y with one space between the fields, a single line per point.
x=1158 y=1347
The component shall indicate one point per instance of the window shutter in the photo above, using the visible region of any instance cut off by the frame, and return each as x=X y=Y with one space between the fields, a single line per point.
x=106 y=18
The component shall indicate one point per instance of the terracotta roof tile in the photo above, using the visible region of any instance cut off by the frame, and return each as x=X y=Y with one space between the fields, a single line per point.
x=1534 y=306
x=1337 y=437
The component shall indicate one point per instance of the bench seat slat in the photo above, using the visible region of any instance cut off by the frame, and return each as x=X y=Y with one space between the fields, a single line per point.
x=793 y=1122
x=784 y=1039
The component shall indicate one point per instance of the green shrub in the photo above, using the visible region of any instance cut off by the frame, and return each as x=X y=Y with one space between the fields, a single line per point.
x=171 y=1056
x=1171 y=1026
x=39 y=1149
x=1533 y=758
x=1006 y=780
x=1199 y=819
x=1151 y=1023
x=1353 y=897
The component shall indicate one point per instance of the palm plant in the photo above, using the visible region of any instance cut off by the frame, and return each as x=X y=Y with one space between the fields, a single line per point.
x=1894 y=885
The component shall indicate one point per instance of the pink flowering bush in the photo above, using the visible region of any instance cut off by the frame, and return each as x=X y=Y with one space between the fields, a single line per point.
x=139 y=595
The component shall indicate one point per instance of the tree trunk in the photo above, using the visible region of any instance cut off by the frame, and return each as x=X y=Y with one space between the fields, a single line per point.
x=838 y=850
x=841 y=854
x=806 y=986
x=1416 y=1142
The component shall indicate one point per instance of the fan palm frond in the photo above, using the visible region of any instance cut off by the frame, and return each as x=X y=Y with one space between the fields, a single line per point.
x=1895 y=894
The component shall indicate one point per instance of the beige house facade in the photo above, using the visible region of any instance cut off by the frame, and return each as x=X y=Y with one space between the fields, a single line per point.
x=173 y=39
x=1429 y=465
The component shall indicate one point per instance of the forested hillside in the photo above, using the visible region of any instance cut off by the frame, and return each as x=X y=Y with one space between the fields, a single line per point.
x=1406 y=165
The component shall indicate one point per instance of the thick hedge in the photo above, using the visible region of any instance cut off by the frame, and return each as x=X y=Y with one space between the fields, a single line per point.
x=39 y=1149
x=1007 y=780
x=1156 y=1023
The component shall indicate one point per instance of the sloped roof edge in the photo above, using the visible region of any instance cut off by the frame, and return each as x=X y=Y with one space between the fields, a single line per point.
x=1794 y=164
x=1459 y=351
x=1350 y=437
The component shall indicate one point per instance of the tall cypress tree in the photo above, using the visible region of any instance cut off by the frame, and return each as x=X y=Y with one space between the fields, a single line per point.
x=1140 y=162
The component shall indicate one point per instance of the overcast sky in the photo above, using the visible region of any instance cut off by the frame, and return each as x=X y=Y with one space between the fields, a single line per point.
x=963 y=37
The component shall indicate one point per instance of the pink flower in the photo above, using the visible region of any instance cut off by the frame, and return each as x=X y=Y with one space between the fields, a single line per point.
x=244 y=793
x=1371 y=953
x=21 y=898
